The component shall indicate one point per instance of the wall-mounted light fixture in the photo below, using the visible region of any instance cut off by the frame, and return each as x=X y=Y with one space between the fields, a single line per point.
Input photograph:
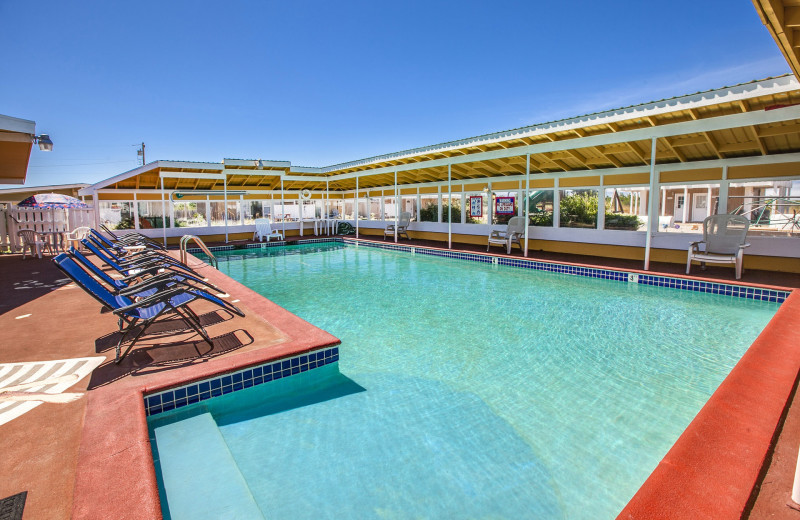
x=44 y=142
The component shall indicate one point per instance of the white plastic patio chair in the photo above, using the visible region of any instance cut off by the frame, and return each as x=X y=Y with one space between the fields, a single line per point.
x=514 y=232
x=264 y=230
x=402 y=226
x=76 y=235
x=723 y=242
x=31 y=242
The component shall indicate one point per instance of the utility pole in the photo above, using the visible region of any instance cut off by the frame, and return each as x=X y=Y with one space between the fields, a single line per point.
x=140 y=152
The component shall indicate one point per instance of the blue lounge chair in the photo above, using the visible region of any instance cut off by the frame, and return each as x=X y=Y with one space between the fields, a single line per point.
x=131 y=238
x=119 y=285
x=173 y=300
x=133 y=265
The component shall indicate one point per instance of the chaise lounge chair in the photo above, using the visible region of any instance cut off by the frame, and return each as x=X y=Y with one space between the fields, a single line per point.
x=402 y=226
x=723 y=242
x=514 y=232
x=264 y=230
x=173 y=300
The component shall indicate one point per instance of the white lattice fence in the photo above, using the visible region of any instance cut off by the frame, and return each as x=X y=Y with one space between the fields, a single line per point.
x=40 y=220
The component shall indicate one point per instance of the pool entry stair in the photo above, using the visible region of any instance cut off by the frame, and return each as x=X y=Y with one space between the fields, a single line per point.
x=215 y=475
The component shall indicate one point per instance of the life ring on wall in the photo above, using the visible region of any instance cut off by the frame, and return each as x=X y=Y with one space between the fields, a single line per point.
x=305 y=194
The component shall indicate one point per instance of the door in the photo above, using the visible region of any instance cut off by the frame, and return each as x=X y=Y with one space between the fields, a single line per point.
x=699 y=207
x=678 y=210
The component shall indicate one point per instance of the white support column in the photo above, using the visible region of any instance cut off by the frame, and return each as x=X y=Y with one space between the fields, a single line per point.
x=96 y=204
x=663 y=201
x=225 y=203
x=355 y=207
x=489 y=204
x=135 y=212
x=439 y=206
x=601 y=205
x=419 y=206
x=709 y=208
x=396 y=206
x=556 y=204
x=525 y=199
x=652 y=219
x=449 y=208
x=685 y=204
x=463 y=206
x=283 y=210
x=723 y=192
x=241 y=210
x=171 y=206
x=163 y=213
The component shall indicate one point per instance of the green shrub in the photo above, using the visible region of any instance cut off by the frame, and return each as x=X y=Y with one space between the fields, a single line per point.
x=579 y=209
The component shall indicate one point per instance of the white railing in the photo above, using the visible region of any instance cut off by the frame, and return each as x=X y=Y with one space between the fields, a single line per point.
x=40 y=220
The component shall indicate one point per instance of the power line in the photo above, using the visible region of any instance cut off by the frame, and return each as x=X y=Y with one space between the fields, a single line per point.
x=77 y=164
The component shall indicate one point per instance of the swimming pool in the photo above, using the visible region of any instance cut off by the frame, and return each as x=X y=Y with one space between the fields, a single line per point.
x=465 y=389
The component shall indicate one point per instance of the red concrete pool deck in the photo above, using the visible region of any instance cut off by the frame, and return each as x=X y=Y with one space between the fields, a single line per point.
x=92 y=459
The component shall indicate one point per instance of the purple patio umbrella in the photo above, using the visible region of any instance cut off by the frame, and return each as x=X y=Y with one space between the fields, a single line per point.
x=52 y=200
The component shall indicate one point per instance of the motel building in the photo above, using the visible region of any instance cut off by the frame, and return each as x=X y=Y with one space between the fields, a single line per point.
x=632 y=183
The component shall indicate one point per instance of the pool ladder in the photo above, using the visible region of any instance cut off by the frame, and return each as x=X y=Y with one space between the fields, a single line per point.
x=185 y=239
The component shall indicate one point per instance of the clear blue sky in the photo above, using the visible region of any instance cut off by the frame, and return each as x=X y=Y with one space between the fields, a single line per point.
x=320 y=82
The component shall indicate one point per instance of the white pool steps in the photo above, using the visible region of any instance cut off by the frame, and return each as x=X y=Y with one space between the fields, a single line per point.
x=196 y=462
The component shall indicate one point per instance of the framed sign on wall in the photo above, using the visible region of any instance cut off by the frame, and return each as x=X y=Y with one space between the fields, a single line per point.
x=504 y=206
x=476 y=206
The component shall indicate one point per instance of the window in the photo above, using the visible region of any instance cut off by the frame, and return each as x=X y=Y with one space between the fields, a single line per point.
x=218 y=213
x=683 y=208
x=409 y=204
x=116 y=215
x=506 y=206
x=540 y=208
x=454 y=200
x=626 y=208
x=773 y=207
x=389 y=207
x=190 y=214
x=335 y=208
x=151 y=215
x=578 y=208
x=251 y=209
x=286 y=212
x=477 y=207
x=429 y=208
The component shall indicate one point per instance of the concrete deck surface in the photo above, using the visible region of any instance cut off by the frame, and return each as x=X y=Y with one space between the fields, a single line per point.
x=43 y=316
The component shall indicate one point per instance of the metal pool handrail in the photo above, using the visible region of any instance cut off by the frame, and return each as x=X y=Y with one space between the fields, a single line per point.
x=185 y=239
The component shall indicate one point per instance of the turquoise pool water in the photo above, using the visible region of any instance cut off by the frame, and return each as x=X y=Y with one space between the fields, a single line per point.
x=463 y=390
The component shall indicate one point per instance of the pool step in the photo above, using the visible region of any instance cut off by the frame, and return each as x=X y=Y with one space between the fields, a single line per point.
x=200 y=476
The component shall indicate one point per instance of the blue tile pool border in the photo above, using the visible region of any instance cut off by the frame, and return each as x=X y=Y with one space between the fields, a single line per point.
x=261 y=245
x=197 y=391
x=725 y=289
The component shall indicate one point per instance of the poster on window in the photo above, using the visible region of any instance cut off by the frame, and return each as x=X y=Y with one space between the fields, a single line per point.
x=476 y=206
x=504 y=206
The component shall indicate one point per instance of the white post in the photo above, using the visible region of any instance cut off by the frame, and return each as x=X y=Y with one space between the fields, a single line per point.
x=652 y=221
x=449 y=208
x=525 y=198
x=708 y=202
x=241 y=210
x=663 y=201
x=355 y=207
x=723 y=192
x=225 y=203
x=283 y=210
x=556 y=204
x=601 y=205
x=163 y=213
x=396 y=207
x=685 y=204
x=300 y=208
x=327 y=207
x=135 y=212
